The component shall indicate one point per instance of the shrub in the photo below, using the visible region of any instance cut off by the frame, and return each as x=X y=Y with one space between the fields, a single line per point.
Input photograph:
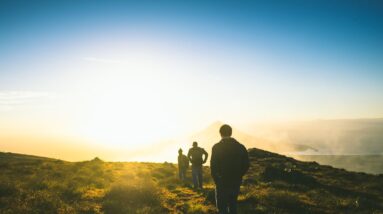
x=282 y=200
x=141 y=197
x=7 y=189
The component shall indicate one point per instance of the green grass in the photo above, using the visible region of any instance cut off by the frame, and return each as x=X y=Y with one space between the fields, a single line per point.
x=274 y=184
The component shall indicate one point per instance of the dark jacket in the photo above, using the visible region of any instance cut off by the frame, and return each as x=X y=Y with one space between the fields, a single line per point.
x=183 y=162
x=229 y=162
x=195 y=156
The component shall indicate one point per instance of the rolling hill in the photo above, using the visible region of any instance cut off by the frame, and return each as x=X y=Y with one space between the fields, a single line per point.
x=274 y=184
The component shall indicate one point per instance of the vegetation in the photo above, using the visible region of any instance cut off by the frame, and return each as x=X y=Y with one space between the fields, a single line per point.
x=274 y=184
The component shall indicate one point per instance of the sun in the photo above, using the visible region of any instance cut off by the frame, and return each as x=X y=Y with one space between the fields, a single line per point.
x=128 y=118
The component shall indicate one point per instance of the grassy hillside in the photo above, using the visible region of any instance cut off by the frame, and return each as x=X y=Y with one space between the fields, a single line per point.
x=274 y=184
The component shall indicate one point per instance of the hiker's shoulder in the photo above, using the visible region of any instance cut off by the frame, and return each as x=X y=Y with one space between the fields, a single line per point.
x=240 y=144
x=237 y=143
x=201 y=149
x=190 y=151
x=242 y=147
x=219 y=144
x=214 y=147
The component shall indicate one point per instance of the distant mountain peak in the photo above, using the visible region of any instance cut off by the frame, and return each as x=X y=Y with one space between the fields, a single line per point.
x=215 y=124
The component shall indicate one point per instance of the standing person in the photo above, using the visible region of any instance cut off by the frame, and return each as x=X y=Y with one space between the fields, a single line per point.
x=195 y=156
x=229 y=162
x=183 y=165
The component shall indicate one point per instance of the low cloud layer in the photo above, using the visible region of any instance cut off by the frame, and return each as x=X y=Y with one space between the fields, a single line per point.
x=11 y=99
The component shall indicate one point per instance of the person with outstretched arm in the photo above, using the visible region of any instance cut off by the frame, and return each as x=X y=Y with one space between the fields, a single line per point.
x=195 y=156
x=229 y=163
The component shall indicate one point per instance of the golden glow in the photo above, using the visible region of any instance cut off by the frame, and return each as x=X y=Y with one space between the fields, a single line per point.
x=126 y=105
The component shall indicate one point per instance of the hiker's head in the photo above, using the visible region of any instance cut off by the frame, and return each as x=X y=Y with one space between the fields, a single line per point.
x=225 y=131
x=195 y=144
x=180 y=151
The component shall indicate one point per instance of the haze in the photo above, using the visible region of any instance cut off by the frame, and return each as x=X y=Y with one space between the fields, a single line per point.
x=121 y=79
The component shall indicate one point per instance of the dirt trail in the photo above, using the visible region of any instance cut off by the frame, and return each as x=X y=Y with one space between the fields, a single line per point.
x=187 y=200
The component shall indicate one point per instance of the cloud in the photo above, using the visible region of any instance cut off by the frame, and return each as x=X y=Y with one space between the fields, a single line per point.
x=101 y=60
x=10 y=99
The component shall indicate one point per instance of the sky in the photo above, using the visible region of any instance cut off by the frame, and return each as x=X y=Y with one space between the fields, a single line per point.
x=114 y=72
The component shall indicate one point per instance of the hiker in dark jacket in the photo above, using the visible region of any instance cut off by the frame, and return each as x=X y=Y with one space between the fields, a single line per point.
x=195 y=156
x=229 y=163
x=183 y=165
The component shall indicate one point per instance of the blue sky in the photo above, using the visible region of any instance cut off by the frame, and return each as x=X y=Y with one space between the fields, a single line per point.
x=237 y=61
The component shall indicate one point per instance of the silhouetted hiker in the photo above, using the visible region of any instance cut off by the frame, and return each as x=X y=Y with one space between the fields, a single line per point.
x=229 y=162
x=183 y=165
x=195 y=156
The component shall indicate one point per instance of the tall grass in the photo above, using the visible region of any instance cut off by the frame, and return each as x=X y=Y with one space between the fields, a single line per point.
x=140 y=196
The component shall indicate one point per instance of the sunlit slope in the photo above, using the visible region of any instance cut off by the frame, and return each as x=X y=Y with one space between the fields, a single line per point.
x=274 y=184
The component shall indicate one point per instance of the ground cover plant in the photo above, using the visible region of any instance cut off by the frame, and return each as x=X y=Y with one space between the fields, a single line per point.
x=274 y=184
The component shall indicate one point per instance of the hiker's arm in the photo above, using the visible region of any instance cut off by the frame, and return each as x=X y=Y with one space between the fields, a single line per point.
x=189 y=155
x=206 y=156
x=245 y=161
x=213 y=165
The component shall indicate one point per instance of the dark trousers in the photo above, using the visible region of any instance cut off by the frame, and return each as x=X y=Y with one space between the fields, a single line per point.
x=182 y=174
x=226 y=198
x=197 y=176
